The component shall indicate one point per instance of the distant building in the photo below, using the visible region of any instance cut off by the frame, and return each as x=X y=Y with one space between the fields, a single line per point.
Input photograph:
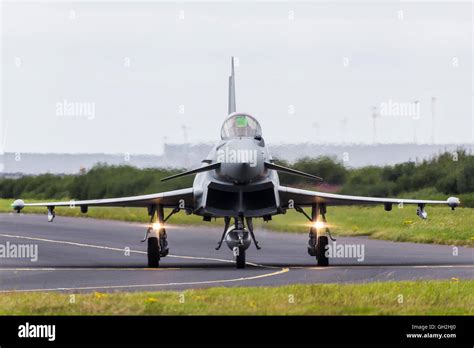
x=191 y=155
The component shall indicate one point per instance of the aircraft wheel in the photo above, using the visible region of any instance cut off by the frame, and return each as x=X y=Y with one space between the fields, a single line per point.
x=153 y=252
x=240 y=259
x=321 y=257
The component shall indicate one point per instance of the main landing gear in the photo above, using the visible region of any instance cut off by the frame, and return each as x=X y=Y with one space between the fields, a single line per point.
x=156 y=235
x=238 y=238
x=318 y=241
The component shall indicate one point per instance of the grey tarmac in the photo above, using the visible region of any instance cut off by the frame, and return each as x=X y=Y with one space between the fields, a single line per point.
x=83 y=254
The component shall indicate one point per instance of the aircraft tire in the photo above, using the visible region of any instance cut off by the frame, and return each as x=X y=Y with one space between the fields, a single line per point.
x=321 y=257
x=240 y=259
x=153 y=252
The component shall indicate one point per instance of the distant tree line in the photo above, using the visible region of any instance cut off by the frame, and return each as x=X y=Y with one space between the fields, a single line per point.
x=446 y=174
x=102 y=181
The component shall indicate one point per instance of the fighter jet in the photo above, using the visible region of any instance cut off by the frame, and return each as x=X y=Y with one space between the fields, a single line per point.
x=238 y=182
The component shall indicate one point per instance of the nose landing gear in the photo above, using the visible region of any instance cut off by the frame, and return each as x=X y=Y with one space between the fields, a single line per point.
x=238 y=238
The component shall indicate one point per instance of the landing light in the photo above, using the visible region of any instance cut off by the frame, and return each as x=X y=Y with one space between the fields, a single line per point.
x=319 y=224
x=156 y=226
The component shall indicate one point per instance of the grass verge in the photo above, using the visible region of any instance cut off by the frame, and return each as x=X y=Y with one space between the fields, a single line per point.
x=381 y=298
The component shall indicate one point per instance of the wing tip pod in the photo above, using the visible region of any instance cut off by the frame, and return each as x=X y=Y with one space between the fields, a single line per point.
x=18 y=205
x=453 y=202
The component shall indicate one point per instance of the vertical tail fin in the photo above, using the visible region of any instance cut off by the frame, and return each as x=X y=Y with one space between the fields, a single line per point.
x=232 y=107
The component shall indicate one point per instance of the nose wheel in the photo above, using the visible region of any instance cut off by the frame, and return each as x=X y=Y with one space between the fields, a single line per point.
x=239 y=254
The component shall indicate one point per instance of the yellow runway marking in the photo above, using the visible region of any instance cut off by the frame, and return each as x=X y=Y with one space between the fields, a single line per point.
x=205 y=282
x=107 y=287
x=194 y=268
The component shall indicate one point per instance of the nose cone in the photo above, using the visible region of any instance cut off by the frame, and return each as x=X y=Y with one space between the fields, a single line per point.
x=242 y=160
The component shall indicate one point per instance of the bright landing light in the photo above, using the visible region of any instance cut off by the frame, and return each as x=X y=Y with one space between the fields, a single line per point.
x=156 y=226
x=319 y=224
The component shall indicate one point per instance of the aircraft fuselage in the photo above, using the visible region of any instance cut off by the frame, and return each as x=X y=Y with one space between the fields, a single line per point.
x=242 y=185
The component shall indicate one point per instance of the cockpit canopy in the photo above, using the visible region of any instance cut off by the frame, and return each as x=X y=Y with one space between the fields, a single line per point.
x=239 y=125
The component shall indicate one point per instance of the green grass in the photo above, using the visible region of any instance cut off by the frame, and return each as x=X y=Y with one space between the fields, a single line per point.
x=382 y=298
x=109 y=213
x=443 y=226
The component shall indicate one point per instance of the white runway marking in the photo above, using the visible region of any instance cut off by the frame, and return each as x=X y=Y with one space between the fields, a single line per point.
x=109 y=287
x=281 y=270
x=49 y=269
x=70 y=243
x=123 y=250
x=382 y=266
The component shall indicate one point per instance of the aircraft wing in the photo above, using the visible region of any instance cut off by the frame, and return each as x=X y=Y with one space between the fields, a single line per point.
x=307 y=198
x=167 y=199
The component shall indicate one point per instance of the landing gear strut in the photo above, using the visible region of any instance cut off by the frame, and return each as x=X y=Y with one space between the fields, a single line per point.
x=249 y=222
x=241 y=237
x=226 y=227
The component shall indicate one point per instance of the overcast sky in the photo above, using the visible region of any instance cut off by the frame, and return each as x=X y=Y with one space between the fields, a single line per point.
x=145 y=73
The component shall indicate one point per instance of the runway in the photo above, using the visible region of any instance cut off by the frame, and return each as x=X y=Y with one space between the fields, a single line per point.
x=81 y=254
